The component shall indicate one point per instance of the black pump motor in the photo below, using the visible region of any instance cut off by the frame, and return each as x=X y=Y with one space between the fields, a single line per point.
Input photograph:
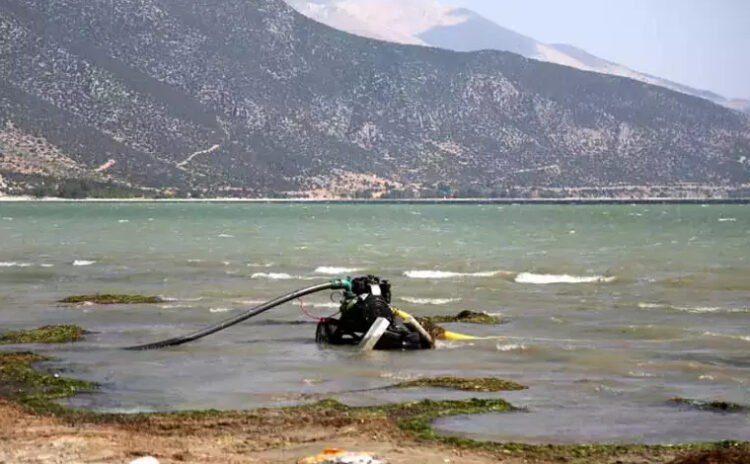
x=368 y=300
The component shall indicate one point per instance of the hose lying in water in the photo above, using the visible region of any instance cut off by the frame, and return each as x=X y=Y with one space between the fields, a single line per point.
x=225 y=324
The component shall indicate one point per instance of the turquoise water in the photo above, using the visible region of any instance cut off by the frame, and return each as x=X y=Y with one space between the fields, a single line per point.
x=611 y=310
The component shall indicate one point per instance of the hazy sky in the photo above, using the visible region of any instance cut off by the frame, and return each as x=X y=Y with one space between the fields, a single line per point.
x=701 y=43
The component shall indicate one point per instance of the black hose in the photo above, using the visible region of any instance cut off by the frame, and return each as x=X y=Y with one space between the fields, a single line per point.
x=236 y=319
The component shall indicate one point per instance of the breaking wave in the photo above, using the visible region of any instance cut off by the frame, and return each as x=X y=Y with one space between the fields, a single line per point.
x=510 y=347
x=693 y=309
x=14 y=264
x=545 y=279
x=83 y=262
x=272 y=276
x=331 y=305
x=450 y=275
x=221 y=310
x=745 y=338
x=330 y=270
x=430 y=301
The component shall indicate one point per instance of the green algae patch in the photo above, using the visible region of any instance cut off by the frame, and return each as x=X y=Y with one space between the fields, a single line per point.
x=465 y=384
x=417 y=417
x=467 y=317
x=713 y=406
x=46 y=334
x=112 y=299
x=36 y=390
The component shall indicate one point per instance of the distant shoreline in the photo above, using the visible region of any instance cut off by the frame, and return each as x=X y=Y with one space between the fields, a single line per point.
x=412 y=201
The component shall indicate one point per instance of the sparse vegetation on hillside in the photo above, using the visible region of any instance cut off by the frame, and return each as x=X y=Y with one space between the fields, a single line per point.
x=250 y=99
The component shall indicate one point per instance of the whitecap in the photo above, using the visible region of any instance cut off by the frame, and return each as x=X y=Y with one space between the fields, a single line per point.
x=46 y=265
x=510 y=347
x=266 y=265
x=545 y=279
x=225 y=236
x=14 y=264
x=172 y=299
x=123 y=221
x=272 y=275
x=693 y=309
x=7 y=218
x=221 y=310
x=452 y=345
x=727 y=219
x=708 y=309
x=449 y=274
x=83 y=262
x=175 y=306
x=330 y=305
x=429 y=301
x=650 y=306
x=745 y=338
x=331 y=270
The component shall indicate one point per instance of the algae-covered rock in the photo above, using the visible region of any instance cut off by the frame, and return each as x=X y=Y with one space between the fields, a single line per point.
x=713 y=406
x=470 y=317
x=112 y=299
x=437 y=332
x=46 y=334
x=465 y=384
x=37 y=390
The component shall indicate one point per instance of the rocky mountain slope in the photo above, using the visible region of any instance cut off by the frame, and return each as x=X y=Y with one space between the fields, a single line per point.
x=432 y=23
x=250 y=98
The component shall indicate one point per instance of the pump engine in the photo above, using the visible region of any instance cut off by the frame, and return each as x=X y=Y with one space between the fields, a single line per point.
x=368 y=300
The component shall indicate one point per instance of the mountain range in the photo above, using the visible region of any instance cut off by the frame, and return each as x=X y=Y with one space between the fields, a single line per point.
x=252 y=99
x=432 y=23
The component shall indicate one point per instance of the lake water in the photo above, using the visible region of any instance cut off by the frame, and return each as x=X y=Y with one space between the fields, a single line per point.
x=611 y=310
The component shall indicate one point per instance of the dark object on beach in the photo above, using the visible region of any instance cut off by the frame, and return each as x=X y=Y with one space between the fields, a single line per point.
x=112 y=299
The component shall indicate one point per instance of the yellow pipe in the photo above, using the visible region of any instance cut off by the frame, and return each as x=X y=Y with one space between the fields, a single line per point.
x=447 y=335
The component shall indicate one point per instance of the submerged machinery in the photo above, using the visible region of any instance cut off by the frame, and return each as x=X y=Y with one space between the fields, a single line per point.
x=365 y=318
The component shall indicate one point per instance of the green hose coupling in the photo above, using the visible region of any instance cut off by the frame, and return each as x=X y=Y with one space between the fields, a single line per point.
x=342 y=284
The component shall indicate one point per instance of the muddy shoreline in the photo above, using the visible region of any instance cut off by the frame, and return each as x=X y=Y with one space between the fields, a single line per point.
x=35 y=428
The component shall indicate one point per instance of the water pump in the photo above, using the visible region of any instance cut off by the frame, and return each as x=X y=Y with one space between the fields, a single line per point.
x=367 y=300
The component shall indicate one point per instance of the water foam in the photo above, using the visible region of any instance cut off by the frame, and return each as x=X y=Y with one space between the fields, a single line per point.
x=546 y=279
x=693 y=309
x=745 y=338
x=272 y=276
x=421 y=274
x=83 y=262
x=14 y=264
x=221 y=310
x=331 y=270
x=429 y=301
x=510 y=347
x=330 y=305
